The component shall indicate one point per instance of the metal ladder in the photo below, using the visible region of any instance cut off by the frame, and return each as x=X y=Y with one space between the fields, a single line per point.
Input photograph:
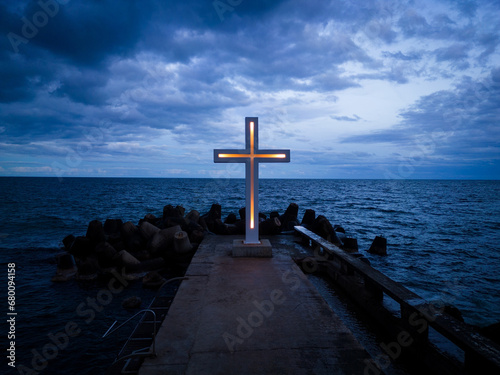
x=142 y=341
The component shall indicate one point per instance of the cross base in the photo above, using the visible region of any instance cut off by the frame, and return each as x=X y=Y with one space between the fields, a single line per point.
x=258 y=250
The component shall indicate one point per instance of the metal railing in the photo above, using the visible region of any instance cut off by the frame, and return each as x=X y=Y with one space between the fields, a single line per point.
x=149 y=351
x=138 y=352
x=477 y=348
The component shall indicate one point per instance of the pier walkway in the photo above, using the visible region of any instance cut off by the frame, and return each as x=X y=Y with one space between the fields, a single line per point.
x=251 y=316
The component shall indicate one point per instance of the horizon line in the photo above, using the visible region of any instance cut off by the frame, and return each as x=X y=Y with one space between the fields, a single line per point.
x=262 y=178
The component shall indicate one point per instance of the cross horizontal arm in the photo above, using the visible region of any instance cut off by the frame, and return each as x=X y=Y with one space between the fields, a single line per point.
x=242 y=156
x=236 y=156
x=272 y=156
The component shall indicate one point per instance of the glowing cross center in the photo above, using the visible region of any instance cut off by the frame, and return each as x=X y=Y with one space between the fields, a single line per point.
x=252 y=156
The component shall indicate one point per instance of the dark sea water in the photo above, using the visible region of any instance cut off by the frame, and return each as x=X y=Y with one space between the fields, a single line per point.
x=443 y=243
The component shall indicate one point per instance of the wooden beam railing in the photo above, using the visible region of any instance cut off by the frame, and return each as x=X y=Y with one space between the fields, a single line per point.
x=477 y=348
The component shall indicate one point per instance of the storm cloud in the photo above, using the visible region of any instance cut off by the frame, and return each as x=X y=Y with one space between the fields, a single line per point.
x=149 y=88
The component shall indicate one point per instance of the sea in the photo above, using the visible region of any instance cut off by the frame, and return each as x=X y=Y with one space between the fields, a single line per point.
x=443 y=243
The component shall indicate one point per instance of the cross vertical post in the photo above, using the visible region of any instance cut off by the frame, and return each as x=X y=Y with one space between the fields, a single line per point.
x=251 y=156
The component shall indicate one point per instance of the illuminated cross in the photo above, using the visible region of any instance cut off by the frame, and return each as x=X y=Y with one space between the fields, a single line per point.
x=252 y=156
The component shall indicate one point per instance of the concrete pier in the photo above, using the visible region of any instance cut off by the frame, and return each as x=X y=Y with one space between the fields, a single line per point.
x=251 y=316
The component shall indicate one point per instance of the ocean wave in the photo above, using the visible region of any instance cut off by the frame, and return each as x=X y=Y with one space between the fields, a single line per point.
x=451 y=230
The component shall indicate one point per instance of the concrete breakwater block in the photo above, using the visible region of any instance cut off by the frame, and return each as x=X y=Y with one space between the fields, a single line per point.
x=379 y=246
x=260 y=250
x=66 y=267
x=156 y=242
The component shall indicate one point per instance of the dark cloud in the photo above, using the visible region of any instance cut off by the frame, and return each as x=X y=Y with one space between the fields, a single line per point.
x=381 y=30
x=84 y=86
x=396 y=72
x=83 y=32
x=490 y=42
x=397 y=135
x=151 y=68
x=411 y=56
x=354 y=118
x=16 y=84
x=412 y=23
x=468 y=7
x=460 y=123
x=456 y=53
x=441 y=27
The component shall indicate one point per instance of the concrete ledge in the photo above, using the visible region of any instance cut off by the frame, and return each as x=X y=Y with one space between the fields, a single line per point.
x=260 y=250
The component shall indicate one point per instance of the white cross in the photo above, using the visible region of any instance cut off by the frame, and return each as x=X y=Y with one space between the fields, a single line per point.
x=252 y=156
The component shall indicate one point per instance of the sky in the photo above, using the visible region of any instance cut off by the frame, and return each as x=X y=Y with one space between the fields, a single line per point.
x=355 y=89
